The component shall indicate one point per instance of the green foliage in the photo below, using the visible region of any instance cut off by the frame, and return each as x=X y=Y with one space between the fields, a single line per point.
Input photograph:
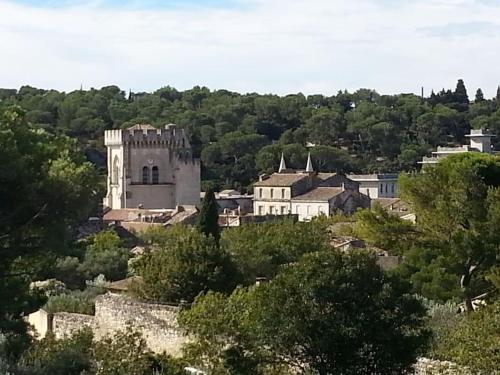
x=474 y=340
x=260 y=249
x=208 y=218
x=69 y=356
x=183 y=265
x=123 y=354
x=76 y=301
x=457 y=205
x=46 y=188
x=329 y=313
x=381 y=229
x=232 y=132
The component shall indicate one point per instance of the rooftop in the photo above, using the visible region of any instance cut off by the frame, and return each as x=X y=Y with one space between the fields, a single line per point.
x=373 y=177
x=321 y=194
x=282 y=179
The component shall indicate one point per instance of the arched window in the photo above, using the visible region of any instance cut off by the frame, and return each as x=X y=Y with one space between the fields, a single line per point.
x=145 y=175
x=116 y=171
x=156 y=175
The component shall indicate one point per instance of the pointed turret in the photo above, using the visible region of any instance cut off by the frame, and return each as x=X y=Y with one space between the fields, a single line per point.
x=282 y=164
x=309 y=166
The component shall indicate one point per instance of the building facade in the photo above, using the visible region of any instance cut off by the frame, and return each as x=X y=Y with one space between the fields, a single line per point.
x=377 y=185
x=307 y=194
x=150 y=168
x=479 y=141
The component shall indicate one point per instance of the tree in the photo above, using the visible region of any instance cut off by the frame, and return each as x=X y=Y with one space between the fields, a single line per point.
x=460 y=94
x=185 y=264
x=47 y=188
x=328 y=313
x=259 y=250
x=208 y=218
x=381 y=229
x=457 y=203
x=479 y=96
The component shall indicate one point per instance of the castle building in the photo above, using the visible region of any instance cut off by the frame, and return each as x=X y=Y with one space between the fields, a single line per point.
x=150 y=168
x=479 y=141
x=306 y=193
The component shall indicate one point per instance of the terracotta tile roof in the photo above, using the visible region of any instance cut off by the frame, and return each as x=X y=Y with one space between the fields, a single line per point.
x=322 y=194
x=282 y=179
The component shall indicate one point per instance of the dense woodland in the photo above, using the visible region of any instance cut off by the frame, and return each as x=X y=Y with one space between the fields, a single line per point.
x=239 y=136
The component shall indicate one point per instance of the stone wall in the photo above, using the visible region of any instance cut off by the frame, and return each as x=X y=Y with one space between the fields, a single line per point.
x=65 y=324
x=426 y=366
x=157 y=323
x=114 y=312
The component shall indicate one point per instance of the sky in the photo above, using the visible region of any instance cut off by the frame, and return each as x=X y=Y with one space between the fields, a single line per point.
x=265 y=46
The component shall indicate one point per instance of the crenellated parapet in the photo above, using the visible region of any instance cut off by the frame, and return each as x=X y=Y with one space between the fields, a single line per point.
x=147 y=136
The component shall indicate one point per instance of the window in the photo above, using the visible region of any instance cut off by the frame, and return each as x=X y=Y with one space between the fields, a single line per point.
x=283 y=210
x=156 y=175
x=116 y=171
x=282 y=193
x=271 y=193
x=308 y=210
x=260 y=210
x=260 y=192
x=381 y=188
x=145 y=175
x=392 y=188
x=386 y=188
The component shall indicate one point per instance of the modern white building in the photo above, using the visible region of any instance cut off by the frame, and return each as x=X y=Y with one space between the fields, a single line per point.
x=150 y=168
x=377 y=185
x=479 y=141
x=306 y=193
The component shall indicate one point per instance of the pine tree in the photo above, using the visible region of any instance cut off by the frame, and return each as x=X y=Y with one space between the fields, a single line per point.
x=479 y=95
x=498 y=94
x=208 y=219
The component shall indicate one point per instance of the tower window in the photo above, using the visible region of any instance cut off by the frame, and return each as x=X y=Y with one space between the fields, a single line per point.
x=156 y=175
x=145 y=175
x=115 y=171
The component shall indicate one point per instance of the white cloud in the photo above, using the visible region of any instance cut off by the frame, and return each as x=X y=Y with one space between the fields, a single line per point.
x=279 y=46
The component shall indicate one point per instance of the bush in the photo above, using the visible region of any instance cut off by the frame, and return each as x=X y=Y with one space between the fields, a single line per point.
x=49 y=356
x=77 y=301
x=474 y=341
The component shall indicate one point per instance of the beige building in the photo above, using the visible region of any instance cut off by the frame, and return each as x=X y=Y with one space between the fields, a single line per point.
x=151 y=168
x=377 y=185
x=479 y=141
x=306 y=193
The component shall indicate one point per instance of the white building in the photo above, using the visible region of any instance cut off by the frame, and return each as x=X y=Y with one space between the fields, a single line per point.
x=306 y=193
x=150 y=168
x=479 y=141
x=377 y=185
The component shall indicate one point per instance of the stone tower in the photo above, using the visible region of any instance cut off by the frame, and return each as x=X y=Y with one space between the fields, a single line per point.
x=151 y=168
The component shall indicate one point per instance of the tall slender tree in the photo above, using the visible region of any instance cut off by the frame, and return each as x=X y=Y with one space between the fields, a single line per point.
x=479 y=96
x=208 y=219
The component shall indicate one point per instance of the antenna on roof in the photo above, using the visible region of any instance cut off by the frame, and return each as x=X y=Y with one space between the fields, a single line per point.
x=282 y=164
x=309 y=166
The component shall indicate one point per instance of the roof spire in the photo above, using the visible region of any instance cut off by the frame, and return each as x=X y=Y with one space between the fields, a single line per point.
x=309 y=166
x=282 y=164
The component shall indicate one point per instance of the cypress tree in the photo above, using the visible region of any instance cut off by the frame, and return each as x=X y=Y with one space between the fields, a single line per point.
x=460 y=93
x=498 y=94
x=479 y=95
x=208 y=219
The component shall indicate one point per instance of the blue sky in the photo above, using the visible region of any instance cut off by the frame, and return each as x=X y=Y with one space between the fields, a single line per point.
x=265 y=46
